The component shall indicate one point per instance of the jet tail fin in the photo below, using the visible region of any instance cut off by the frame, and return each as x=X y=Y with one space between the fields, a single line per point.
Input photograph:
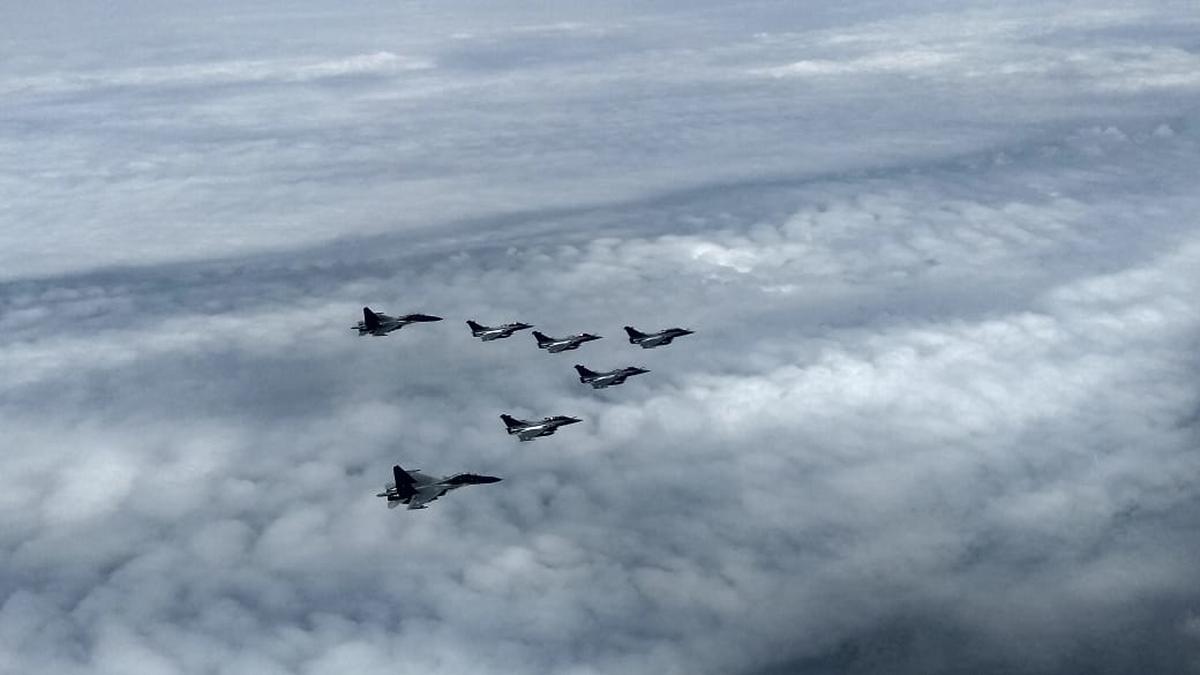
x=512 y=423
x=541 y=338
x=370 y=319
x=404 y=482
x=634 y=334
x=476 y=328
x=585 y=374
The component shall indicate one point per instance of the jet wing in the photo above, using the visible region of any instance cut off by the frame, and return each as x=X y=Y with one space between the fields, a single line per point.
x=425 y=495
x=414 y=318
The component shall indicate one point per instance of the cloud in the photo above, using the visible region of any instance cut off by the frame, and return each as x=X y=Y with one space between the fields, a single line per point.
x=939 y=414
x=226 y=73
x=256 y=139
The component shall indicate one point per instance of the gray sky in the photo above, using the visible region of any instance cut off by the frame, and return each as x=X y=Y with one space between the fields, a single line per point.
x=940 y=414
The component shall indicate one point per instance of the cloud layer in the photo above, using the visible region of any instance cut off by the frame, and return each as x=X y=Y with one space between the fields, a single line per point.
x=940 y=414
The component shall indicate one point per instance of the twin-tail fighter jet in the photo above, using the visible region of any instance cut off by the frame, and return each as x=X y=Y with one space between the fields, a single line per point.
x=527 y=431
x=652 y=340
x=416 y=489
x=378 y=324
x=555 y=345
x=487 y=333
x=609 y=378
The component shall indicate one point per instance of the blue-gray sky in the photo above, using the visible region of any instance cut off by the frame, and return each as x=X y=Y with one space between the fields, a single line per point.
x=940 y=414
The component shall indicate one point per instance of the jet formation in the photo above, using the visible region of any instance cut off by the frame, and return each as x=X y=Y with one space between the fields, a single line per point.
x=415 y=489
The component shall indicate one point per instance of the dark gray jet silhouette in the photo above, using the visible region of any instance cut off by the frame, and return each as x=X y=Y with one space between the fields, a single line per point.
x=487 y=333
x=379 y=325
x=555 y=345
x=651 y=340
x=416 y=489
x=609 y=378
x=527 y=431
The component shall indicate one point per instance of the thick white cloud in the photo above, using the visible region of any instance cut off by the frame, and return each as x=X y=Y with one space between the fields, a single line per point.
x=212 y=132
x=940 y=414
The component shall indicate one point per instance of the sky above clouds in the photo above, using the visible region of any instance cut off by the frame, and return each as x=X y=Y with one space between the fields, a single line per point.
x=940 y=413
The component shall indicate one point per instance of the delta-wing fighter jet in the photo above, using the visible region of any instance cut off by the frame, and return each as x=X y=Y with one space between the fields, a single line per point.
x=377 y=324
x=487 y=333
x=416 y=489
x=610 y=378
x=527 y=431
x=651 y=340
x=555 y=345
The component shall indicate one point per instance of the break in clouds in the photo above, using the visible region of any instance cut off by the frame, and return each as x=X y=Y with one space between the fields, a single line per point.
x=940 y=414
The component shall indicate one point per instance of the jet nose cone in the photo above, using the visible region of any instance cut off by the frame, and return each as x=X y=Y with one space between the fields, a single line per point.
x=571 y=420
x=483 y=480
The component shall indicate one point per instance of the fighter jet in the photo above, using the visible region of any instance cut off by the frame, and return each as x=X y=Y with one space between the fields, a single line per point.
x=607 y=379
x=555 y=345
x=382 y=324
x=487 y=334
x=527 y=431
x=651 y=340
x=416 y=489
